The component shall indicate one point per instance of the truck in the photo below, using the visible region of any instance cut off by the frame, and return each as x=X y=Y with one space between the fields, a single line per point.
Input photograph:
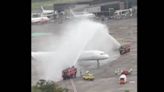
x=124 y=49
x=69 y=73
x=88 y=76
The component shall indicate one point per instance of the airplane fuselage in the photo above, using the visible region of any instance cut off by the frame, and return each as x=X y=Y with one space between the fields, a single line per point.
x=93 y=55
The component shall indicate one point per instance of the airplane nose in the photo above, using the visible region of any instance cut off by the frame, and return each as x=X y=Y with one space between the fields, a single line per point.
x=107 y=56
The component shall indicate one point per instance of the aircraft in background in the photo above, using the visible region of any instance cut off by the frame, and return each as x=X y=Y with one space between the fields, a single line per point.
x=80 y=15
x=37 y=18
x=47 y=13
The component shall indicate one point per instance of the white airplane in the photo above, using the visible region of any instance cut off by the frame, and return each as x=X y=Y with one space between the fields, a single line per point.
x=59 y=66
x=38 y=18
x=95 y=55
x=47 y=13
x=86 y=55
x=80 y=15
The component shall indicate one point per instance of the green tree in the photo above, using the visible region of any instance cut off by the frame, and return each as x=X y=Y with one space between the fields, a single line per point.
x=47 y=86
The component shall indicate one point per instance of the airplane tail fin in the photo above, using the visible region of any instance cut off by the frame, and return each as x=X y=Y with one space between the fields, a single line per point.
x=42 y=8
x=71 y=12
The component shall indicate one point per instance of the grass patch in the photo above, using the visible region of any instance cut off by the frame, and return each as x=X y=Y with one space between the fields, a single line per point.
x=126 y=91
x=36 y=5
x=47 y=86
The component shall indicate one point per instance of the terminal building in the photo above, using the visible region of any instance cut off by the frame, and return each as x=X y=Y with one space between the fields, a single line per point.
x=102 y=7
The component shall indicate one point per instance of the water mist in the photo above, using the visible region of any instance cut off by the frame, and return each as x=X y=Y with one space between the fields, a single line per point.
x=66 y=47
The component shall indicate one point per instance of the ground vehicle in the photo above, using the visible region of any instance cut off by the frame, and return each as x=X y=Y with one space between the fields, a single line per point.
x=125 y=72
x=69 y=73
x=123 y=79
x=119 y=14
x=48 y=13
x=88 y=76
x=124 y=49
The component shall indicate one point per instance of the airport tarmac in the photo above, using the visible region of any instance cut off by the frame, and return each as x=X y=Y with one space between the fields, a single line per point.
x=125 y=31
